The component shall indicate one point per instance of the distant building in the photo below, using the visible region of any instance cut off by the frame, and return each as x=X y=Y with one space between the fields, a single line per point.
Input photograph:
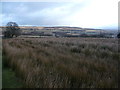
x=59 y=34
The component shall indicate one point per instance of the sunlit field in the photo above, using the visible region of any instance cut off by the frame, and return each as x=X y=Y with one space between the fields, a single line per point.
x=63 y=62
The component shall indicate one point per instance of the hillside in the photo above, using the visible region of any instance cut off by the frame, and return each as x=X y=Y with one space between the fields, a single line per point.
x=64 y=31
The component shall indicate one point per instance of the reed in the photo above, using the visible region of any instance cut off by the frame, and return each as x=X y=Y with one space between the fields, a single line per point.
x=63 y=62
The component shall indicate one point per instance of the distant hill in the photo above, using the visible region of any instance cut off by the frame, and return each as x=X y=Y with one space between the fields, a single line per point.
x=34 y=30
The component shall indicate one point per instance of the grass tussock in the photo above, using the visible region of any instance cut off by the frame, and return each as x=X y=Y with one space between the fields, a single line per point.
x=63 y=62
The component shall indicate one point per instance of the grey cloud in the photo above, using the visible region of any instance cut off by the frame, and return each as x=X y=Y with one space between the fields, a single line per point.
x=38 y=13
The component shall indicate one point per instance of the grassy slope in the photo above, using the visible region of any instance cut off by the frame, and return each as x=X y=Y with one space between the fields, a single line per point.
x=64 y=62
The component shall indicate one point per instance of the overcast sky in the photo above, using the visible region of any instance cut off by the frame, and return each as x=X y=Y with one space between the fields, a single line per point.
x=101 y=14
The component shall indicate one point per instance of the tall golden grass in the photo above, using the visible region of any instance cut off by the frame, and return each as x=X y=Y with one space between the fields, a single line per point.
x=64 y=62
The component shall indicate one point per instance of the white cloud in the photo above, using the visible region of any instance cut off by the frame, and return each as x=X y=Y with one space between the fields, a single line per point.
x=7 y=18
x=99 y=13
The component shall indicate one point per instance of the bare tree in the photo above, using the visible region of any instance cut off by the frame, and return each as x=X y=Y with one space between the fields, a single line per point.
x=12 y=29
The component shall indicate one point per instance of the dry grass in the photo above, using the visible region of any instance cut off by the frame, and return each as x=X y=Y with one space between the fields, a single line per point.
x=64 y=62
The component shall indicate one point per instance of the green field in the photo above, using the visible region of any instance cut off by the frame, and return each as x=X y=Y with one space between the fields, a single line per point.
x=9 y=78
